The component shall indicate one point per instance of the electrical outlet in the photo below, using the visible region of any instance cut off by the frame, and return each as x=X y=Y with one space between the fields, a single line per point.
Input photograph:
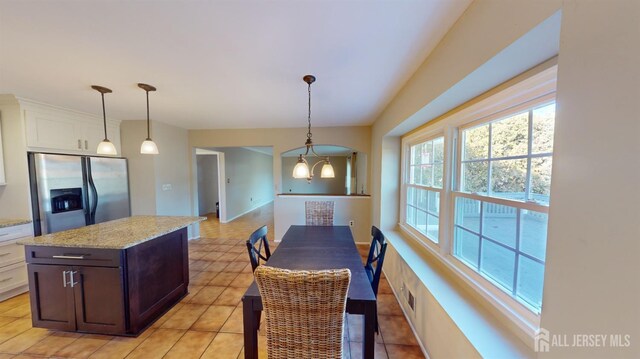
x=411 y=300
x=167 y=187
x=228 y=180
x=351 y=223
x=251 y=199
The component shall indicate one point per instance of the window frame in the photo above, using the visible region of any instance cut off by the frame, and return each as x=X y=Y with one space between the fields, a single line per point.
x=530 y=91
x=406 y=178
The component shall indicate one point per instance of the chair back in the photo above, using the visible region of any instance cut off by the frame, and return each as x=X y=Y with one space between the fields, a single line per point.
x=304 y=311
x=319 y=213
x=255 y=243
x=375 y=258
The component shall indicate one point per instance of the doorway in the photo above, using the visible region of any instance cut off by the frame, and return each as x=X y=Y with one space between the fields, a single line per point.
x=210 y=189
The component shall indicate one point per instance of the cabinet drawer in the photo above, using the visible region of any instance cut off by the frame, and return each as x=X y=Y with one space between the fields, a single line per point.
x=13 y=232
x=74 y=256
x=11 y=253
x=12 y=276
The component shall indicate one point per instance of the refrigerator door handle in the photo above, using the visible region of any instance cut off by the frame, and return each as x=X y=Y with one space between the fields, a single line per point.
x=94 y=192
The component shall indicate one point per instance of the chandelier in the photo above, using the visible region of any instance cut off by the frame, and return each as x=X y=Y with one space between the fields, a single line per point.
x=301 y=170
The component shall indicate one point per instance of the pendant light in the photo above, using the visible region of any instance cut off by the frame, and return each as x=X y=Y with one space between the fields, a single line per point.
x=301 y=170
x=148 y=146
x=105 y=147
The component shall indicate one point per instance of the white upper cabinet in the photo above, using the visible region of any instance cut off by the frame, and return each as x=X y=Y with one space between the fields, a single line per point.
x=60 y=130
x=3 y=180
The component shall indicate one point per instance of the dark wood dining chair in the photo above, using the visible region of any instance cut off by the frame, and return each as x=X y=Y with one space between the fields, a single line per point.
x=375 y=259
x=256 y=242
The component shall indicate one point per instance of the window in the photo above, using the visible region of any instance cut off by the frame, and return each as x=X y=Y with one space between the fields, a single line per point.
x=476 y=193
x=424 y=187
x=500 y=221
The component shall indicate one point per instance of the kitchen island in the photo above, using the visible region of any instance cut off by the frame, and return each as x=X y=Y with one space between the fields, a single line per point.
x=115 y=277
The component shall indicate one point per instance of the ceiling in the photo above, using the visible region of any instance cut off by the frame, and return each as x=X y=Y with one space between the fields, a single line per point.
x=220 y=64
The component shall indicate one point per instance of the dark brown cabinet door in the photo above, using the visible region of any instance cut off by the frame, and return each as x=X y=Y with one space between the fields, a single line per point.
x=52 y=302
x=98 y=299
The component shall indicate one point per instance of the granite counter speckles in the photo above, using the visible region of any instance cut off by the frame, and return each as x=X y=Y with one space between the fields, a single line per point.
x=13 y=222
x=118 y=234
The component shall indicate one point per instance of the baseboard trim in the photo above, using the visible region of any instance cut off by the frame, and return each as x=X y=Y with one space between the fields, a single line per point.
x=247 y=211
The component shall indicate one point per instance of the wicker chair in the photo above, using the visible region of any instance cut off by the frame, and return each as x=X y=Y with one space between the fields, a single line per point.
x=319 y=213
x=304 y=311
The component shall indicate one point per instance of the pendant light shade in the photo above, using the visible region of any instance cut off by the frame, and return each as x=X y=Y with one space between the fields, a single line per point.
x=301 y=170
x=105 y=147
x=327 y=171
x=148 y=147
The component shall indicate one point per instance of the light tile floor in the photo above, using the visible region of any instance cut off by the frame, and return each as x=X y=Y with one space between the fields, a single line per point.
x=205 y=324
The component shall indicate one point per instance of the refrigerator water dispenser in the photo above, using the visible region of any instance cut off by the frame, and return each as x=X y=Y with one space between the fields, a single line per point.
x=66 y=200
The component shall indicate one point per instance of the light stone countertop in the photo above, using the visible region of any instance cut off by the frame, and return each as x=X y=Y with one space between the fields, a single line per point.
x=12 y=222
x=118 y=234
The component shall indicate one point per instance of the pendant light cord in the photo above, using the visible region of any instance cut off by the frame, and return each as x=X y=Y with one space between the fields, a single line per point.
x=148 y=126
x=309 y=114
x=104 y=117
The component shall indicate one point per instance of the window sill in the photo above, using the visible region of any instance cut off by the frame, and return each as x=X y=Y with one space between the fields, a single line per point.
x=487 y=330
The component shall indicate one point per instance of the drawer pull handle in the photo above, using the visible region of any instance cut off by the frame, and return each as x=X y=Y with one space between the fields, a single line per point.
x=4 y=254
x=72 y=281
x=68 y=257
x=6 y=279
x=64 y=278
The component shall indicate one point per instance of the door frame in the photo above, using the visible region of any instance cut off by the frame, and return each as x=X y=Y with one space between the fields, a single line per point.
x=222 y=194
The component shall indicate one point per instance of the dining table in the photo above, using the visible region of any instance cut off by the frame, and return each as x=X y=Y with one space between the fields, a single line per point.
x=316 y=248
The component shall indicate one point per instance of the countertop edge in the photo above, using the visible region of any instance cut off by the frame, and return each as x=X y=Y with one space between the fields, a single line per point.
x=30 y=241
x=7 y=223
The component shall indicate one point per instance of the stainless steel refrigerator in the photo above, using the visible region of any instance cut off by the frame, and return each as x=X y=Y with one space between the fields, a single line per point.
x=73 y=191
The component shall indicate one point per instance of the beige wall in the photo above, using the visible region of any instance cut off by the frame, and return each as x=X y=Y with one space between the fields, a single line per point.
x=148 y=173
x=591 y=278
x=142 y=180
x=14 y=196
x=318 y=185
x=282 y=140
x=171 y=167
x=590 y=285
x=248 y=180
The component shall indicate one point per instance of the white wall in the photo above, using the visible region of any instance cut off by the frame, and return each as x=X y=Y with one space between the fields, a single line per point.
x=207 y=183
x=346 y=208
x=14 y=196
x=248 y=182
x=318 y=185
